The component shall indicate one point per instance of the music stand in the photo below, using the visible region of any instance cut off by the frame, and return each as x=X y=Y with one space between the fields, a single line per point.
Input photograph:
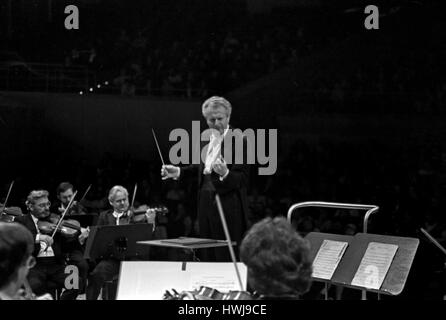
x=316 y=239
x=187 y=243
x=118 y=242
x=398 y=272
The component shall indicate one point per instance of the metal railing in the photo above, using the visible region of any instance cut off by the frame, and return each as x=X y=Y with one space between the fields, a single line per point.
x=337 y=205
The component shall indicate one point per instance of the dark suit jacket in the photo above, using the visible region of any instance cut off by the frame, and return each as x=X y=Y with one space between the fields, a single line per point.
x=28 y=222
x=106 y=218
x=236 y=182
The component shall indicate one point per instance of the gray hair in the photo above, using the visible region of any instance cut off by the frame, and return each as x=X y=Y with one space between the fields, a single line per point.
x=115 y=190
x=35 y=195
x=215 y=102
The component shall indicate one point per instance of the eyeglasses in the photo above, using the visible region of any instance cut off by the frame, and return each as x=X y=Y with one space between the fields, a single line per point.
x=31 y=262
x=44 y=205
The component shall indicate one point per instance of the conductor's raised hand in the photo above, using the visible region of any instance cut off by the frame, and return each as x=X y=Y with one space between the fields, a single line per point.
x=169 y=171
x=220 y=167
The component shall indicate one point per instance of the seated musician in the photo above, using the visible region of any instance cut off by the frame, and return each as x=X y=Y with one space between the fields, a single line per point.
x=49 y=271
x=277 y=258
x=16 y=247
x=72 y=248
x=64 y=194
x=120 y=214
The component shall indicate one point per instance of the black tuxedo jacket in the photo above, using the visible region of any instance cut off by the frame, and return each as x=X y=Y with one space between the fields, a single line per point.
x=235 y=183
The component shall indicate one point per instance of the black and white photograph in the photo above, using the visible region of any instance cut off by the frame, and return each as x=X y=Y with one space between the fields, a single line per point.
x=255 y=150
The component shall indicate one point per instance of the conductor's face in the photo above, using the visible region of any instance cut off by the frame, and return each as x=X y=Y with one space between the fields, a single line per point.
x=120 y=203
x=217 y=119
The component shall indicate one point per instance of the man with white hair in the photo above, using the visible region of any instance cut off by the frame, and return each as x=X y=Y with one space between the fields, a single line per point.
x=120 y=214
x=215 y=175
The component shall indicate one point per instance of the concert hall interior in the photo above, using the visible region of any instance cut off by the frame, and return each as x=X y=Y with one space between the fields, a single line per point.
x=149 y=145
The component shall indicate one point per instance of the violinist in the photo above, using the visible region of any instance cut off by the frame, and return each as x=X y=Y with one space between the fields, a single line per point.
x=8 y=214
x=16 y=247
x=120 y=214
x=72 y=248
x=277 y=258
x=49 y=271
x=64 y=194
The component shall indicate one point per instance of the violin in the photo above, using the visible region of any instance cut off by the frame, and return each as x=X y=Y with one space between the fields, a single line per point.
x=68 y=228
x=207 y=293
x=139 y=212
x=10 y=213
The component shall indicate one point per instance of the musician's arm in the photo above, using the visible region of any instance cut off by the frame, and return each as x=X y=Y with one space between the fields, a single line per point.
x=187 y=171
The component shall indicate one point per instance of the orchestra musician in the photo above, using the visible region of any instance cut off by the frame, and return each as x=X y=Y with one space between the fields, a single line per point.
x=73 y=249
x=120 y=214
x=277 y=258
x=64 y=194
x=49 y=271
x=230 y=181
x=16 y=247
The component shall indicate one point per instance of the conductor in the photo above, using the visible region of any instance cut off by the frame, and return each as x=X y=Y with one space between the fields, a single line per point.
x=215 y=175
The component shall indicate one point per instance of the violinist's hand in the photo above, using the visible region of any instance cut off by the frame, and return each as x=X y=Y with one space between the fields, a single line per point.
x=45 y=238
x=60 y=209
x=220 y=167
x=170 y=171
x=151 y=216
x=73 y=204
x=85 y=232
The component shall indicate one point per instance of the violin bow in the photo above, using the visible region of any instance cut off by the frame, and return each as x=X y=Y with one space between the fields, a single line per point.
x=63 y=215
x=228 y=239
x=134 y=195
x=158 y=146
x=7 y=196
x=432 y=239
x=85 y=194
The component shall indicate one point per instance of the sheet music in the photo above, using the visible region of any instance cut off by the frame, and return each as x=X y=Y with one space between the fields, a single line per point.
x=149 y=280
x=222 y=282
x=327 y=258
x=374 y=265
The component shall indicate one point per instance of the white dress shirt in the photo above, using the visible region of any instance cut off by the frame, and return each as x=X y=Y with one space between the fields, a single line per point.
x=214 y=150
x=117 y=216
